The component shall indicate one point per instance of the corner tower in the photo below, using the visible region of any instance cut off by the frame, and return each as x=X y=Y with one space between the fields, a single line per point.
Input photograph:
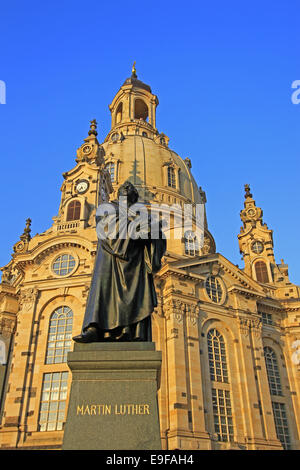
x=256 y=241
x=257 y=247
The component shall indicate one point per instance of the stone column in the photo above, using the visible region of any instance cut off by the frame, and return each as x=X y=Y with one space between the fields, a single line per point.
x=267 y=420
x=201 y=438
x=14 y=403
x=176 y=366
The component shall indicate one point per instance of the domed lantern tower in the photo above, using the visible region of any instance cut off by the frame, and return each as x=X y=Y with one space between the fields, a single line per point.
x=134 y=105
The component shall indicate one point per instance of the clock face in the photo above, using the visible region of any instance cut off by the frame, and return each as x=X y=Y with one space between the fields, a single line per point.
x=82 y=186
x=87 y=149
x=251 y=212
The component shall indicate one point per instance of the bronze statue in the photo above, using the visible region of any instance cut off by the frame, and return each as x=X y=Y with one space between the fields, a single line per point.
x=122 y=295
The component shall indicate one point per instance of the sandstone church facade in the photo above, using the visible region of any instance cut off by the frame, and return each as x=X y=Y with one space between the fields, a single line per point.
x=229 y=337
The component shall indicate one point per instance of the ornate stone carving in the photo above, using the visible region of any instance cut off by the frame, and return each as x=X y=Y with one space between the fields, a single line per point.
x=208 y=246
x=174 y=309
x=85 y=291
x=247 y=324
x=192 y=313
x=27 y=299
x=7 y=326
x=25 y=238
x=256 y=326
x=244 y=324
x=7 y=276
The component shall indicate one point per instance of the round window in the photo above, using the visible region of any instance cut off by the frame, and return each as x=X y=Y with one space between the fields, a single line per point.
x=257 y=247
x=115 y=137
x=63 y=265
x=214 y=289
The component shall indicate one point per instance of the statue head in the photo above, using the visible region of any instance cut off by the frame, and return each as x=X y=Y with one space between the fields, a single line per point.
x=128 y=190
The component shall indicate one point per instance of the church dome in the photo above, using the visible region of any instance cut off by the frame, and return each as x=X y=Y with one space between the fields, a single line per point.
x=158 y=172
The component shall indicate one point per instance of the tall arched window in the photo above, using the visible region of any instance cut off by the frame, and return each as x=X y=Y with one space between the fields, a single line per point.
x=272 y=371
x=74 y=209
x=217 y=356
x=60 y=334
x=279 y=411
x=171 y=177
x=221 y=401
x=111 y=169
x=191 y=243
x=261 y=272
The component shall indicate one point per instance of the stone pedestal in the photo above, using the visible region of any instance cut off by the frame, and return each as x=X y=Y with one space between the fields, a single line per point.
x=113 y=399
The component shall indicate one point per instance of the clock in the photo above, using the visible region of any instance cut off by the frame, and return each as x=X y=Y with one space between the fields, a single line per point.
x=251 y=212
x=87 y=149
x=82 y=186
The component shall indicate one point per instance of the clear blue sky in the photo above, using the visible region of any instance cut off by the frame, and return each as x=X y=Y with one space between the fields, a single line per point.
x=222 y=72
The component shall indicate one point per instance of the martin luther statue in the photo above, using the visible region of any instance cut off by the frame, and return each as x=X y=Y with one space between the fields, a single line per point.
x=122 y=295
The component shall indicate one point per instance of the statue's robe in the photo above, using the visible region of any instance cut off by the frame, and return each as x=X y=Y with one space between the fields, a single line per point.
x=122 y=294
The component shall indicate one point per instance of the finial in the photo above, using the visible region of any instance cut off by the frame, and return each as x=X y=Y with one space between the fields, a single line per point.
x=93 y=128
x=202 y=195
x=247 y=191
x=27 y=230
x=133 y=71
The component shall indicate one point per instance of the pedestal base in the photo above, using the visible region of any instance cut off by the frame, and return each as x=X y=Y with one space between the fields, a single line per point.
x=113 y=401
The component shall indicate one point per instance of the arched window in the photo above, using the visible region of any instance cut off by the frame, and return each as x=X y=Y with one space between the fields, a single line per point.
x=119 y=113
x=140 y=110
x=191 y=244
x=217 y=356
x=279 y=411
x=111 y=169
x=171 y=177
x=272 y=371
x=60 y=334
x=74 y=209
x=261 y=272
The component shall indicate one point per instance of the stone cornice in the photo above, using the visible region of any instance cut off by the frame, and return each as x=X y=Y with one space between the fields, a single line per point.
x=246 y=292
x=266 y=305
x=7 y=289
x=168 y=269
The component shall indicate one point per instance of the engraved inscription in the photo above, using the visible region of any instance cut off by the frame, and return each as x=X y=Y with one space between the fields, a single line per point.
x=121 y=410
